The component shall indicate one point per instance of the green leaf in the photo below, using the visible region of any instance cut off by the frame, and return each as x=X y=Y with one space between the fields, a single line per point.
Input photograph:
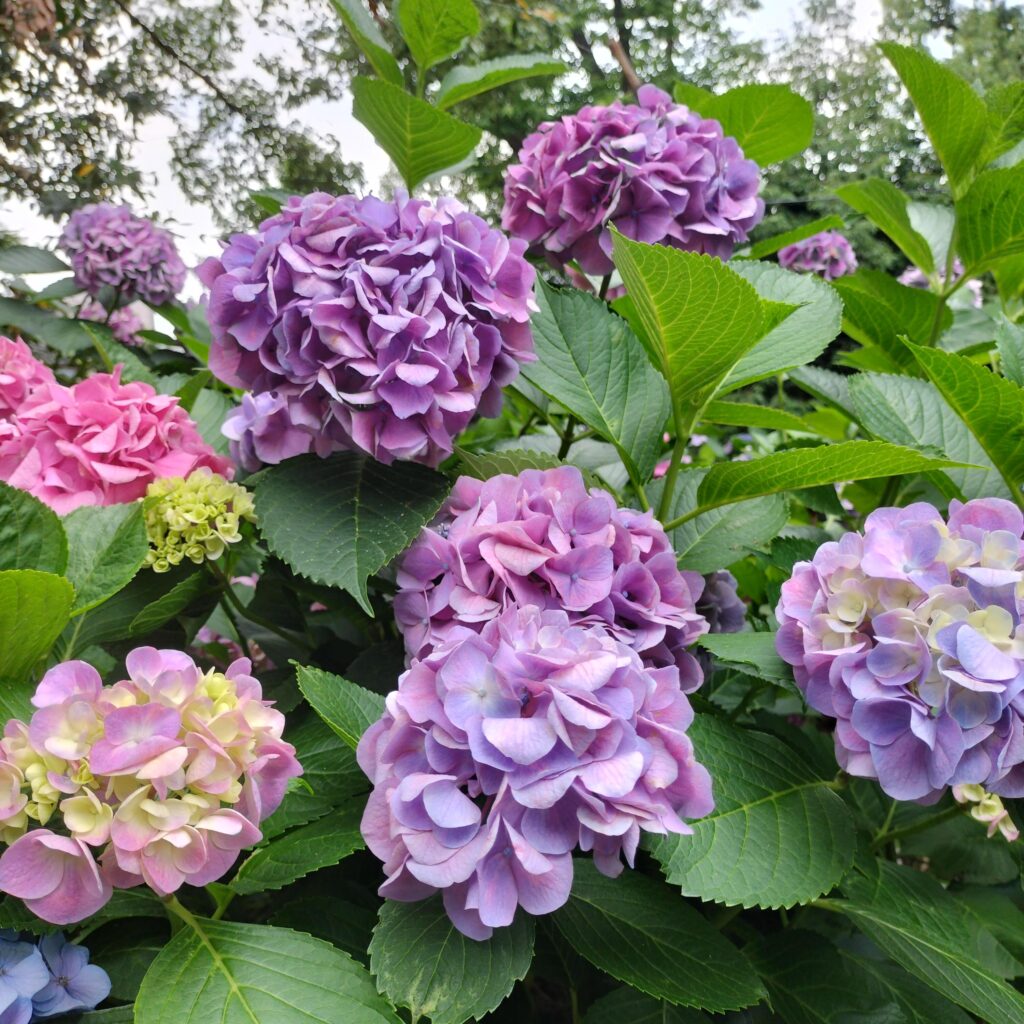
x=172 y=603
x=727 y=482
x=320 y=844
x=913 y=919
x=108 y=546
x=830 y=387
x=348 y=709
x=769 y=246
x=698 y=318
x=1010 y=345
x=126 y=952
x=752 y=652
x=640 y=932
x=935 y=225
x=421 y=961
x=27 y=259
x=990 y=405
x=367 y=35
x=421 y=140
x=953 y=114
x=436 y=29
x=462 y=83
x=64 y=288
x=770 y=122
x=591 y=362
x=1006 y=118
x=912 y=412
x=338 y=520
x=344 y=924
x=255 y=974
x=778 y=834
x=627 y=1006
x=990 y=220
x=721 y=536
x=31 y=536
x=810 y=983
x=878 y=310
x=801 y=337
x=34 y=608
x=115 y=354
x=886 y=207
x=66 y=336
x=192 y=388
x=209 y=410
x=484 y=465
x=746 y=414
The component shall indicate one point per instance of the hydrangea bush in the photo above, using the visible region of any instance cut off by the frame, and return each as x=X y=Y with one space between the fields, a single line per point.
x=611 y=614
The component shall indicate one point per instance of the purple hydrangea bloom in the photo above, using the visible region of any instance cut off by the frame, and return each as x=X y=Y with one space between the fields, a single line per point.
x=721 y=604
x=915 y=277
x=504 y=750
x=827 y=253
x=124 y=322
x=110 y=247
x=393 y=323
x=909 y=635
x=74 y=983
x=269 y=427
x=655 y=170
x=542 y=539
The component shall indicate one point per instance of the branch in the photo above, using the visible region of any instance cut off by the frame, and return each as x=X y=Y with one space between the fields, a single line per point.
x=633 y=83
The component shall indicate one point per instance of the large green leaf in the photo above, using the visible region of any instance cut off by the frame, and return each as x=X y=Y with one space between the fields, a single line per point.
x=344 y=924
x=697 y=317
x=752 y=652
x=591 y=362
x=484 y=465
x=27 y=259
x=338 y=520
x=31 y=536
x=436 y=29
x=66 y=336
x=1006 y=118
x=422 y=961
x=627 y=1006
x=770 y=122
x=34 y=608
x=421 y=140
x=723 y=535
x=810 y=983
x=778 y=834
x=727 y=482
x=464 y=82
x=886 y=207
x=348 y=709
x=639 y=931
x=255 y=974
x=801 y=337
x=108 y=545
x=768 y=246
x=1010 y=344
x=935 y=224
x=953 y=114
x=913 y=919
x=368 y=37
x=878 y=310
x=990 y=219
x=320 y=844
x=747 y=414
x=990 y=405
x=909 y=411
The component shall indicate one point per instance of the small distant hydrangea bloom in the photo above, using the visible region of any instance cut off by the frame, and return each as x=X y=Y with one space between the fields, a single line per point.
x=194 y=518
x=385 y=326
x=124 y=322
x=100 y=442
x=504 y=750
x=915 y=277
x=910 y=636
x=655 y=170
x=541 y=538
x=269 y=427
x=110 y=247
x=20 y=374
x=74 y=984
x=721 y=604
x=159 y=779
x=23 y=974
x=827 y=253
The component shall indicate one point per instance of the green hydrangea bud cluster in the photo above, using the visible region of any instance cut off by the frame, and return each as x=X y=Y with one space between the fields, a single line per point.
x=194 y=518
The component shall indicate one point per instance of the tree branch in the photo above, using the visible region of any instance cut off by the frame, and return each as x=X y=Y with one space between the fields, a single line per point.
x=633 y=83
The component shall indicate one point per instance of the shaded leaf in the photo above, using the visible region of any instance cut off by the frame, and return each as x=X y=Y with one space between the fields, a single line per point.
x=436 y=29
x=348 y=709
x=886 y=207
x=34 y=608
x=27 y=259
x=990 y=220
x=627 y=1006
x=1010 y=344
x=770 y=246
x=367 y=35
x=31 y=535
x=462 y=83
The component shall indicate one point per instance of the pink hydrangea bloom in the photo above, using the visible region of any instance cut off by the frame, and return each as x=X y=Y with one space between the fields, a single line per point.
x=827 y=253
x=124 y=322
x=20 y=374
x=100 y=442
x=503 y=751
x=541 y=538
x=160 y=779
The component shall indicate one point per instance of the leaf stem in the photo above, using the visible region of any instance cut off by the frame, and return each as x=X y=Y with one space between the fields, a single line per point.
x=919 y=826
x=888 y=820
x=228 y=591
x=567 y=438
x=605 y=282
x=675 y=460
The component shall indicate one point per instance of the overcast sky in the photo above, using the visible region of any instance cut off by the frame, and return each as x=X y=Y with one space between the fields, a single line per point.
x=193 y=224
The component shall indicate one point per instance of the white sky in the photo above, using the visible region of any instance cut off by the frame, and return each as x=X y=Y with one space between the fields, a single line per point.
x=193 y=224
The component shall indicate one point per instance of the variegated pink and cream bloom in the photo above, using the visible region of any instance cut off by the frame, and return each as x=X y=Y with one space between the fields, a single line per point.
x=160 y=779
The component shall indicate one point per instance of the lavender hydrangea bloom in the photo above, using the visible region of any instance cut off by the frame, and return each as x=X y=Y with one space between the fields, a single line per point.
x=721 y=604
x=542 y=539
x=909 y=635
x=110 y=247
x=656 y=170
x=269 y=427
x=388 y=326
x=504 y=750
x=74 y=984
x=827 y=253
x=915 y=277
